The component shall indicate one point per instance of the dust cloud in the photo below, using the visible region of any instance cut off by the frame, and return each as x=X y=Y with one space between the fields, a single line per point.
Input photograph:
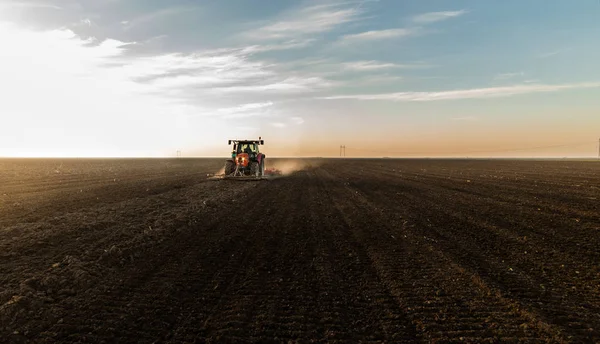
x=289 y=166
x=283 y=165
x=219 y=172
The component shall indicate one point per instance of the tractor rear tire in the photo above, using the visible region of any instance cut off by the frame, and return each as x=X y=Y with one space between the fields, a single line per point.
x=229 y=167
x=254 y=169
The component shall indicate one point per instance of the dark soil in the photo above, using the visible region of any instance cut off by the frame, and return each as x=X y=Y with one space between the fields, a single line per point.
x=147 y=251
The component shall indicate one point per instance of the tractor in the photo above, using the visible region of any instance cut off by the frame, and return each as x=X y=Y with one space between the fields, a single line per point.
x=246 y=159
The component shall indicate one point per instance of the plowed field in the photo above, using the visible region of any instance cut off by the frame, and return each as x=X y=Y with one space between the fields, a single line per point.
x=148 y=251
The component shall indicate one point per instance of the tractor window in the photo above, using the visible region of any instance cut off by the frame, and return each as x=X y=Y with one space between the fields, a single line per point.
x=247 y=148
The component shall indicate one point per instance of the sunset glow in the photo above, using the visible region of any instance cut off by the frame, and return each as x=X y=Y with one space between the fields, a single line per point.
x=384 y=78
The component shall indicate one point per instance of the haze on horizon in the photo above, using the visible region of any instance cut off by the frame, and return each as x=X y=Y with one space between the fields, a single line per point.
x=122 y=78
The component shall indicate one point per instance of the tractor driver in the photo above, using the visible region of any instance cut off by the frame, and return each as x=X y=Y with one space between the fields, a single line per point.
x=248 y=148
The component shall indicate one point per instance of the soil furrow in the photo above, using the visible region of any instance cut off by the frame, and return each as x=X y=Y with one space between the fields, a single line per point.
x=344 y=250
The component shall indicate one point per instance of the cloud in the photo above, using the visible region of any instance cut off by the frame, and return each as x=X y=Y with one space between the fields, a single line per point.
x=480 y=93
x=22 y=4
x=553 y=53
x=294 y=84
x=432 y=17
x=219 y=72
x=207 y=69
x=278 y=125
x=375 y=65
x=308 y=20
x=68 y=97
x=246 y=107
x=368 y=65
x=246 y=110
x=506 y=76
x=379 y=79
x=95 y=93
x=290 y=44
x=377 y=35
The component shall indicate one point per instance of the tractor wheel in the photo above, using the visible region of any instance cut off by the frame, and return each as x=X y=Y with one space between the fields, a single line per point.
x=254 y=169
x=229 y=167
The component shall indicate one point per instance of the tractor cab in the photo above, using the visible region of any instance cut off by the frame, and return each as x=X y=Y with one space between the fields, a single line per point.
x=249 y=147
x=246 y=147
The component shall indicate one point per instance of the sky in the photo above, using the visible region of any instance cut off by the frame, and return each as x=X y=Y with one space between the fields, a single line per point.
x=433 y=78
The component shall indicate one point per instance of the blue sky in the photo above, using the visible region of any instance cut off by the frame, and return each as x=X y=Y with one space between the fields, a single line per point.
x=439 y=78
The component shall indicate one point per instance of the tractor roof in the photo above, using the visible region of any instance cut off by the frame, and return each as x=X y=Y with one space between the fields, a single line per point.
x=259 y=141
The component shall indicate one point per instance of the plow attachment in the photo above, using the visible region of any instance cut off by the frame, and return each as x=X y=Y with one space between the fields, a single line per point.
x=270 y=173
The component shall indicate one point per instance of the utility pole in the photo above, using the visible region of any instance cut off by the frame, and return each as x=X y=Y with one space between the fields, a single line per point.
x=342 y=151
x=178 y=153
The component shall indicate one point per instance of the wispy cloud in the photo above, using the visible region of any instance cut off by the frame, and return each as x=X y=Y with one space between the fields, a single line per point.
x=478 y=93
x=553 y=53
x=376 y=65
x=374 y=35
x=149 y=93
x=432 y=17
x=368 y=65
x=286 y=45
x=294 y=84
x=507 y=76
x=245 y=110
x=219 y=72
x=246 y=107
x=193 y=78
x=27 y=4
x=379 y=79
x=378 y=35
x=307 y=20
x=211 y=69
x=279 y=125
